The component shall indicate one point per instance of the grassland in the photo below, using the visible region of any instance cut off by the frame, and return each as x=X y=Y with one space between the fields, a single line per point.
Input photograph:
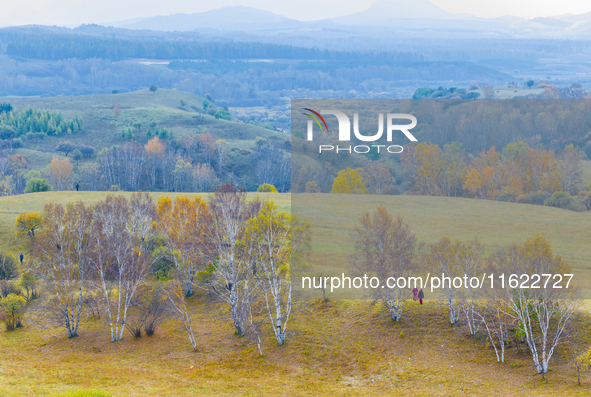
x=339 y=348
x=495 y=224
x=162 y=108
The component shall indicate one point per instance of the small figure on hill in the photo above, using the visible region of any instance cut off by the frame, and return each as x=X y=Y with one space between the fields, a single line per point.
x=77 y=186
x=415 y=292
x=21 y=257
x=421 y=296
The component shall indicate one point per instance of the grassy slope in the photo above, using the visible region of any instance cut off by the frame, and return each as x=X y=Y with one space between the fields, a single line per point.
x=331 y=349
x=101 y=129
x=339 y=348
x=494 y=223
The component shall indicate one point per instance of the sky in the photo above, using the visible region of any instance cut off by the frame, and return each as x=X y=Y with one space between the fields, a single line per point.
x=75 y=12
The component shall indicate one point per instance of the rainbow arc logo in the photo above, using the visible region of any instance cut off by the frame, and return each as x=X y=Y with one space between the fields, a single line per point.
x=316 y=119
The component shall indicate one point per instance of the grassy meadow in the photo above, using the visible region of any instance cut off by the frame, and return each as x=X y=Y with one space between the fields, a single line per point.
x=495 y=224
x=338 y=348
x=101 y=129
x=341 y=347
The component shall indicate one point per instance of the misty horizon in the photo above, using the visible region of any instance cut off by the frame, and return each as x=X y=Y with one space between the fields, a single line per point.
x=72 y=13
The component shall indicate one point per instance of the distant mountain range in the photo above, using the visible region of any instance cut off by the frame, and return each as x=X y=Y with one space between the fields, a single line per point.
x=237 y=18
x=384 y=10
x=414 y=17
x=241 y=18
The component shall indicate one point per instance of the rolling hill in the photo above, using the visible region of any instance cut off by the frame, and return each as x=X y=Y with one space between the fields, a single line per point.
x=161 y=109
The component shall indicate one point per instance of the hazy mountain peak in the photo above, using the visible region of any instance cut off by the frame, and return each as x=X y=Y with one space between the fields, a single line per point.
x=576 y=18
x=226 y=18
x=407 y=9
x=384 y=10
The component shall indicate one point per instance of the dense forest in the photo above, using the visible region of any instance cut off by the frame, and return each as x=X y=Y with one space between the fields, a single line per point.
x=92 y=60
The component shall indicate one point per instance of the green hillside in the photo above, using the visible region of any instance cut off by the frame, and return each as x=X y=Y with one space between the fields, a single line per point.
x=495 y=224
x=160 y=109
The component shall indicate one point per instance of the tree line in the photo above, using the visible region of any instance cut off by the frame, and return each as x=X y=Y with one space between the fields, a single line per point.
x=244 y=83
x=107 y=260
x=197 y=163
x=518 y=173
x=506 y=316
x=64 y=46
x=18 y=126
x=15 y=124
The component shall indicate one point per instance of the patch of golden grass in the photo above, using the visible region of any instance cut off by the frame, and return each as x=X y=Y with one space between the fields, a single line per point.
x=334 y=348
x=337 y=348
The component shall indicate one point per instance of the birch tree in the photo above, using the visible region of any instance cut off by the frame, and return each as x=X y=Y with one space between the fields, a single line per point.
x=470 y=264
x=182 y=224
x=570 y=168
x=178 y=303
x=543 y=312
x=444 y=259
x=155 y=151
x=495 y=320
x=277 y=244
x=60 y=261
x=384 y=247
x=61 y=172
x=234 y=276
x=120 y=257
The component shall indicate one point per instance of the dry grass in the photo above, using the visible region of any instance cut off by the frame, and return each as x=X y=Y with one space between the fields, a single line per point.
x=338 y=348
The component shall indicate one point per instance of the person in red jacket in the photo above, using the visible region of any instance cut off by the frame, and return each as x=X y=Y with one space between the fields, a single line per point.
x=421 y=296
x=415 y=292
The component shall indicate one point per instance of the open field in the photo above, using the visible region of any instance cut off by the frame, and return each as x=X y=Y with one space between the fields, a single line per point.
x=339 y=348
x=495 y=224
